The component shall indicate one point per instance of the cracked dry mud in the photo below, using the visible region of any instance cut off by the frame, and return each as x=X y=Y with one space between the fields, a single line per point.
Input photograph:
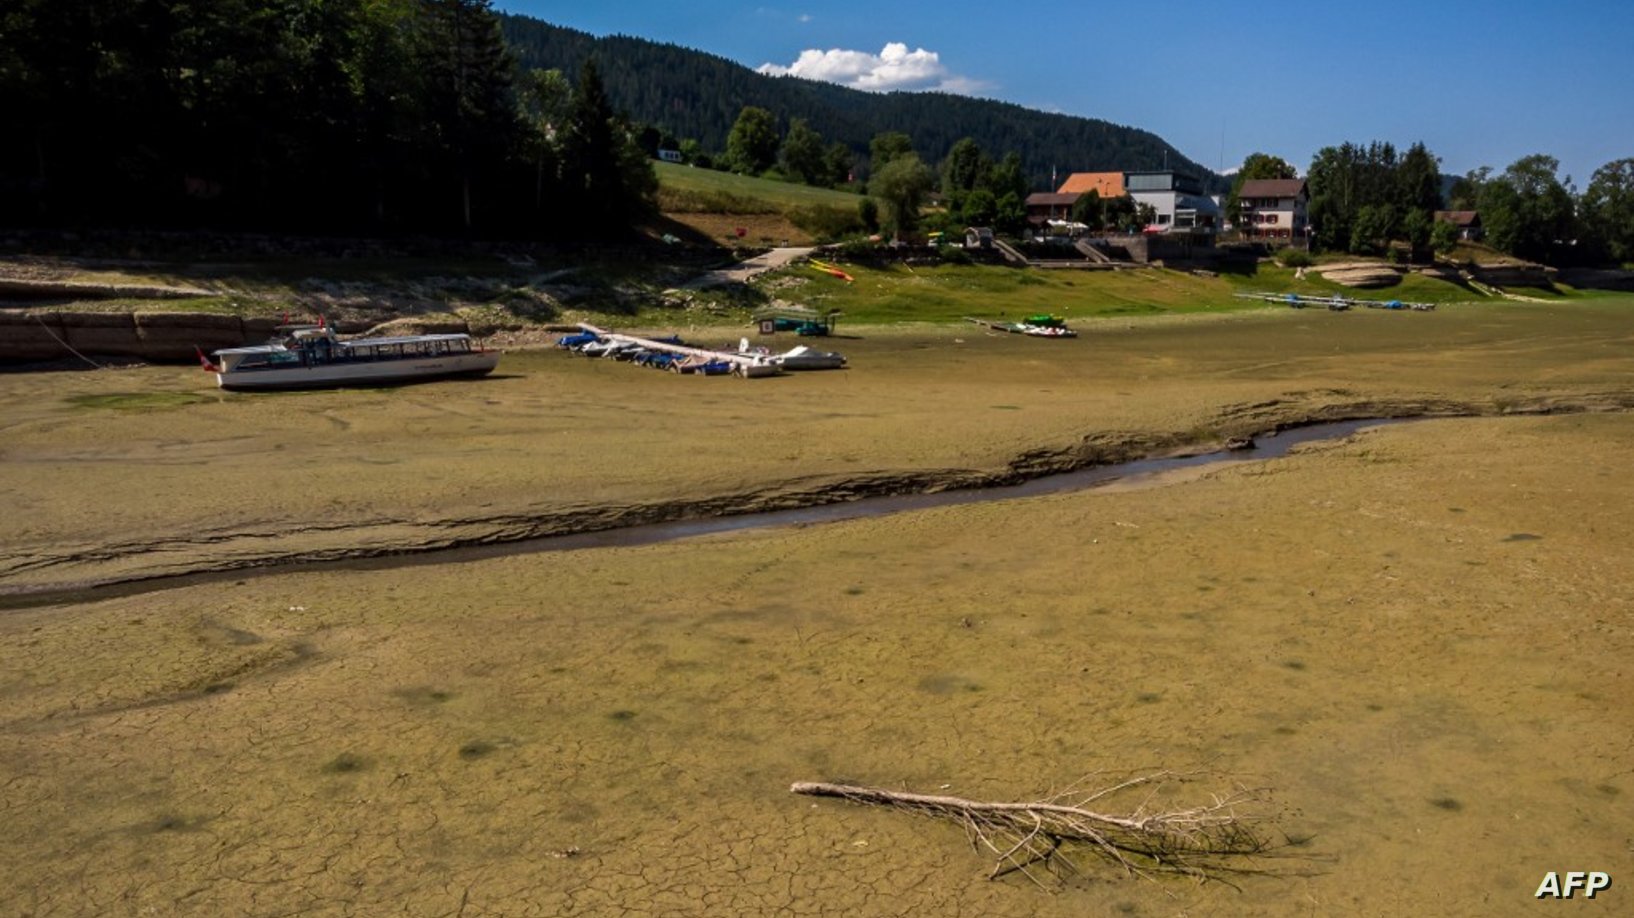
x=1417 y=636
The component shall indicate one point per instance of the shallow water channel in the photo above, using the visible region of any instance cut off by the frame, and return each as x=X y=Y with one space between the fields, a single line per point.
x=1269 y=446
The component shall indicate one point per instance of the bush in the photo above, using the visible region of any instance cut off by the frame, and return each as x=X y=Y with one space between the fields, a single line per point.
x=868 y=213
x=826 y=223
x=1295 y=258
x=856 y=250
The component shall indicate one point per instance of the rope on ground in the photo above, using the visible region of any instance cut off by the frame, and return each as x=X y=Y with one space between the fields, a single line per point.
x=65 y=344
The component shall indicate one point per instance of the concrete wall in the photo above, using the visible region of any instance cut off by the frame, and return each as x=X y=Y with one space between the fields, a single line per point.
x=32 y=335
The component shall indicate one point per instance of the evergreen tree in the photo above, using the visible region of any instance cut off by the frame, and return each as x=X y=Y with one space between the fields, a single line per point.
x=1418 y=181
x=468 y=86
x=962 y=171
x=608 y=180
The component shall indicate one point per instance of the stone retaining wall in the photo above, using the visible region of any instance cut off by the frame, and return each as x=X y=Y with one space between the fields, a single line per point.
x=27 y=335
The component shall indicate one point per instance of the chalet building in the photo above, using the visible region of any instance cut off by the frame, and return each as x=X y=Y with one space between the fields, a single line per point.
x=1178 y=198
x=1274 y=210
x=1468 y=223
x=1044 y=206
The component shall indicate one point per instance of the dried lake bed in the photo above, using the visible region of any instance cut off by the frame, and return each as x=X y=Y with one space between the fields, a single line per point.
x=1415 y=637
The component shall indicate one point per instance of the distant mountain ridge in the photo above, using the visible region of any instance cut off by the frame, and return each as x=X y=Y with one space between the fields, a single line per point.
x=693 y=94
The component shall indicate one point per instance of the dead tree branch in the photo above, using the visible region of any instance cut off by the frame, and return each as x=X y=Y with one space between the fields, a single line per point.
x=1205 y=842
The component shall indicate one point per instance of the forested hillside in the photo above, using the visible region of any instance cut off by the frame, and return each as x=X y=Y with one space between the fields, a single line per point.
x=373 y=116
x=690 y=94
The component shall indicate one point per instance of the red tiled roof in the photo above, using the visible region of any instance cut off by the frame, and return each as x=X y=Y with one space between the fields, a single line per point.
x=1106 y=184
x=1459 y=217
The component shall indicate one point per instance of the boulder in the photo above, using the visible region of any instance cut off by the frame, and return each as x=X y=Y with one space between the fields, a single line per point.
x=1362 y=275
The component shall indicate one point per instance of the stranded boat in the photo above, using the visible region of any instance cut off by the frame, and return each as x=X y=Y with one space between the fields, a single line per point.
x=1041 y=326
x=311 y=356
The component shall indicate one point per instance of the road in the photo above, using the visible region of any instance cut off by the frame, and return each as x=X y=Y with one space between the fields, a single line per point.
x=743 y=270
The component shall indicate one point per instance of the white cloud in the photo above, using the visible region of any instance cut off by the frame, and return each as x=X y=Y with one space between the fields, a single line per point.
x=804 y=17
x=894 y=67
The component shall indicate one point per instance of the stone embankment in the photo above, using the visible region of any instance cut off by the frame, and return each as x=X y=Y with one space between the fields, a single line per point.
x=41 y=335
x=38 y=335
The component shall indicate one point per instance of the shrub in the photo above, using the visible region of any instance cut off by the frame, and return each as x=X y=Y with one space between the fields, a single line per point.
x=856 y=250
x=825 y=223
x=868 y=213
x=1295 y=258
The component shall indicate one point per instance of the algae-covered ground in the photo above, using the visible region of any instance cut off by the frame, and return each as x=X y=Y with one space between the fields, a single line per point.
x=1415 y=640
x=134 y=472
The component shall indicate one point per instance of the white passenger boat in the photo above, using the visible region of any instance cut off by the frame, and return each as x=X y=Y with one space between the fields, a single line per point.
x=312 y=356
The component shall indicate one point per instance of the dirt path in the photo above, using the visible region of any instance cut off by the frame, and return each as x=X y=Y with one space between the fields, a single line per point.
x=744 y=270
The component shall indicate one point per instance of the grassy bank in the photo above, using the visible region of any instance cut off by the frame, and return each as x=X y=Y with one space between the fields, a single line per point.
x=939 y=294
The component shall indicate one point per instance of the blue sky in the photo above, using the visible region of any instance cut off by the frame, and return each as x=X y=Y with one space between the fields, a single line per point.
x=1481 y=83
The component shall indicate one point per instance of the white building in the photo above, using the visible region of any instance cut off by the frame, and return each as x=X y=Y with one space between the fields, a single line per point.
x=1178 y=198
x=1273 y=209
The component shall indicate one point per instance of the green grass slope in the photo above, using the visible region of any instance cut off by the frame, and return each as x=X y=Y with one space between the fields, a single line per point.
x=686 y=189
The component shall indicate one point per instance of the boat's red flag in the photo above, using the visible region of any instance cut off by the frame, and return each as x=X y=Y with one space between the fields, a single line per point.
x=205 y=361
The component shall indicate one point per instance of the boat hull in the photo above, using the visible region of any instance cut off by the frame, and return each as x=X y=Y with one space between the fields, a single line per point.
x=825 y=362
x=362 y=373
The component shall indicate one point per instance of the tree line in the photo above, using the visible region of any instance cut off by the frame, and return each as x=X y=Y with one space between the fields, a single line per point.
x=304 y=115
x=1366 y=198
x=975 y=188
x=698 y=97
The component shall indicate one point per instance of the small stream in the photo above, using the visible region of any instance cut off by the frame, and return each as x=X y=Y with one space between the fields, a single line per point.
x=1270 y=446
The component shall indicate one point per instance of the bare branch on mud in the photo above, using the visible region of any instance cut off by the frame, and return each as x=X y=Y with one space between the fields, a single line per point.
x=1206 y=842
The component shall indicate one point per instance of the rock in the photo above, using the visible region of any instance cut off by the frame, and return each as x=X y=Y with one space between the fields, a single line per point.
x=1354 y=275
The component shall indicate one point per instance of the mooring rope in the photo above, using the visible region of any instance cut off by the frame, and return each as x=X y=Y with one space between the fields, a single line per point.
x=66 y=344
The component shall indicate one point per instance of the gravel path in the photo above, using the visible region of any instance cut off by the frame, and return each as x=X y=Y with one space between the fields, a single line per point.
x=744 y=270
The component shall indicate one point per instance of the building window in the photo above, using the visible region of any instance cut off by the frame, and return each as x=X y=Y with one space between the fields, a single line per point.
x=1270 y=218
